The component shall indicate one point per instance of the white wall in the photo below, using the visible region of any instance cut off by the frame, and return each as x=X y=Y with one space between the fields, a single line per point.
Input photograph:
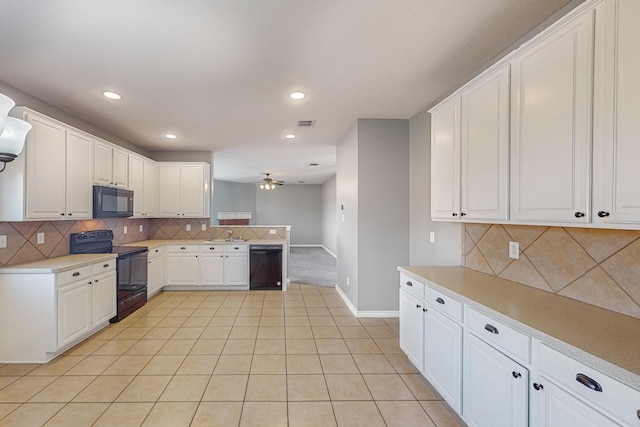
x=447 y=247
x=329 y=215
x=233 y=197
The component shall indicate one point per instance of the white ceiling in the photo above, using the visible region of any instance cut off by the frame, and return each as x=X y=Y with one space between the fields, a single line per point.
x=217 y=72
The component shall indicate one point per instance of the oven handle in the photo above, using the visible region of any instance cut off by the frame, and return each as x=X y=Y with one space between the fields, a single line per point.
x=131 y=297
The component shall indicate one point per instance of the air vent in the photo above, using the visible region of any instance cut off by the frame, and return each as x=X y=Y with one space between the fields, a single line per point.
x=306 y=123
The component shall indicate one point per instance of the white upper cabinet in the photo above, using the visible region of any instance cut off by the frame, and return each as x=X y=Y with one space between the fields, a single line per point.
x=150 y=198
x=183 y=190
x=485 y=147
x=551 y=125
x=111 y=167
x=445 y=160
x=52 y=179
x=142 y=181
x=617 y=125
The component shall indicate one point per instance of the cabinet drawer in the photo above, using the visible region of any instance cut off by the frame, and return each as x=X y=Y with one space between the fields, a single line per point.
x=445 y=304
x=74 y=275
x=177 y=249
x=156 y=252
x=412 y=286
x=235 y=248
x=603 y=391
x=103 y=267
x=211 y=249
x=503 y=336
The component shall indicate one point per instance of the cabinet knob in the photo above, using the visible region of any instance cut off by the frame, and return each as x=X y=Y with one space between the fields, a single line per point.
x=463 y=214
x=95 y=281
x=77 y=273
x=418 y=306
x=537 y=386
x=90 y=282
x=489 y=327
x=62 y=214
x=70 y=214
x=182 y=248
x=409 y=284
x=439 y=300
x=105 y=265
x=454 y=214
x=425 y=310
x=578 y=214
x=516 y=374
x=603 y=214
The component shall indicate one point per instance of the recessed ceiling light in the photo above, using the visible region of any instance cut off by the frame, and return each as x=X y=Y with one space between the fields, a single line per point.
x=297 y=95
x=112 y=95
x=290 y=136
x=170 y=136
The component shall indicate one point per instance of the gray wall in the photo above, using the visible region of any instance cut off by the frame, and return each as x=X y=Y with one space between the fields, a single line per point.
x=233 y=197
x=299 y=206
x=373 y=187
x=182 y=156
x=329 y=215
x=447 y=247
x=347 y=202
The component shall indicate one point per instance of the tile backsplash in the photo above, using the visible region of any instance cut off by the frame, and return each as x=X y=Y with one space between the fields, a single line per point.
x=22 y=243
x=597 y=266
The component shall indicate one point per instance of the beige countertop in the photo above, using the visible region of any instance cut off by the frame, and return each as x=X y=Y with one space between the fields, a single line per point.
x=155 y=243
x=57 y=264
x=602 y=339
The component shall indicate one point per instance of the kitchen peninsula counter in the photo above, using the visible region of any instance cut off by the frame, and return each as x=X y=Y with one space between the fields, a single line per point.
x=606 y=340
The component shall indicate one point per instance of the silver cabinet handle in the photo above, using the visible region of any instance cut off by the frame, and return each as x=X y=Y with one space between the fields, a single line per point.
x=489 y=327
x=588 y=382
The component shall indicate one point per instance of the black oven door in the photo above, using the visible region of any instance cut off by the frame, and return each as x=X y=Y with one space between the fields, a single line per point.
x=132 y=273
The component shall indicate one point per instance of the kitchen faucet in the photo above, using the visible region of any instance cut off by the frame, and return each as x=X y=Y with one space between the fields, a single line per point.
x=230 y=233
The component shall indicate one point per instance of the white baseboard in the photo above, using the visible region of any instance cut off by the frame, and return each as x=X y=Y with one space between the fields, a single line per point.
x=305 y=246
x=352 y=308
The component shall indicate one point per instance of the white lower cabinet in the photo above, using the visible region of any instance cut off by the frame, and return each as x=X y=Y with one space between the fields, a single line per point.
x=104 y=298
x=74 y=312
x=412 y=328
x=495 y=387
x=155 y=272
x=443 y=356
x=207 y=265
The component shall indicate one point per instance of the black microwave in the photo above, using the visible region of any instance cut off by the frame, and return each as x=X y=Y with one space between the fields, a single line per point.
x=111 y=202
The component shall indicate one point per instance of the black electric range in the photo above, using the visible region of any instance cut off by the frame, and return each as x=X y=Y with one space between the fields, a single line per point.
x=131 y=268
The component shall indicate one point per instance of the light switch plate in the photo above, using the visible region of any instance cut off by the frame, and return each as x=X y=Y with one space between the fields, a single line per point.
x=3 y=241
x=204 y=227
x=188 y=227
x=126 y=229
x=272 y=231
x=432 y=237
x=40 y=238
x=141 y=228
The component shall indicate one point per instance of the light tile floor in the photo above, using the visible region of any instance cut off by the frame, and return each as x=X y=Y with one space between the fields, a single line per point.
x=256 y=358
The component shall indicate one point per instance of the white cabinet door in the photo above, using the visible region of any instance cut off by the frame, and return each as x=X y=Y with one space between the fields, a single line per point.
x=103 y=164
x=445 y=160
x=235 y=269
x=212 y=269
x=555 y=407
x=155 y=275
x=192 y=190
x=412 y=329
x=136 y=184
x=551 y=126
x=443 y=356
x=150 y=178
x=494 y=386
x=120 y=168
x=617 y=127
x=169 y=190
x=104 y=296
x=74 y=312
x=182 y=269
x=485 y=147
x=46 y=152
x=79 y=175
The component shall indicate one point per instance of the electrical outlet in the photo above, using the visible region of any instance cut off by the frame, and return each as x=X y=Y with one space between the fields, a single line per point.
x=272 y=231
x=188 y=227
x=347 y=280
x=432 y=237
x=40 y=238
x=204 y=227
x=3 y=241
x=141 y=228
x=126 y=229
x=514 y=250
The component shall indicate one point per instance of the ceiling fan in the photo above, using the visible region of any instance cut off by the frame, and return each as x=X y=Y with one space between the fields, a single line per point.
x=269 y=184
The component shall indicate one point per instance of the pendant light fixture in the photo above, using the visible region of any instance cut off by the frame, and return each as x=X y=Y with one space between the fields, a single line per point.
x=13 y=132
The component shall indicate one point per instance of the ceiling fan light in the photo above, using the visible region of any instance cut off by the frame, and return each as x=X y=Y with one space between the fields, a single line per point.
x=262 y=186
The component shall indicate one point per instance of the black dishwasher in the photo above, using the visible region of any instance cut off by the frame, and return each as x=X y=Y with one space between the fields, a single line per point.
x=265 y=265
